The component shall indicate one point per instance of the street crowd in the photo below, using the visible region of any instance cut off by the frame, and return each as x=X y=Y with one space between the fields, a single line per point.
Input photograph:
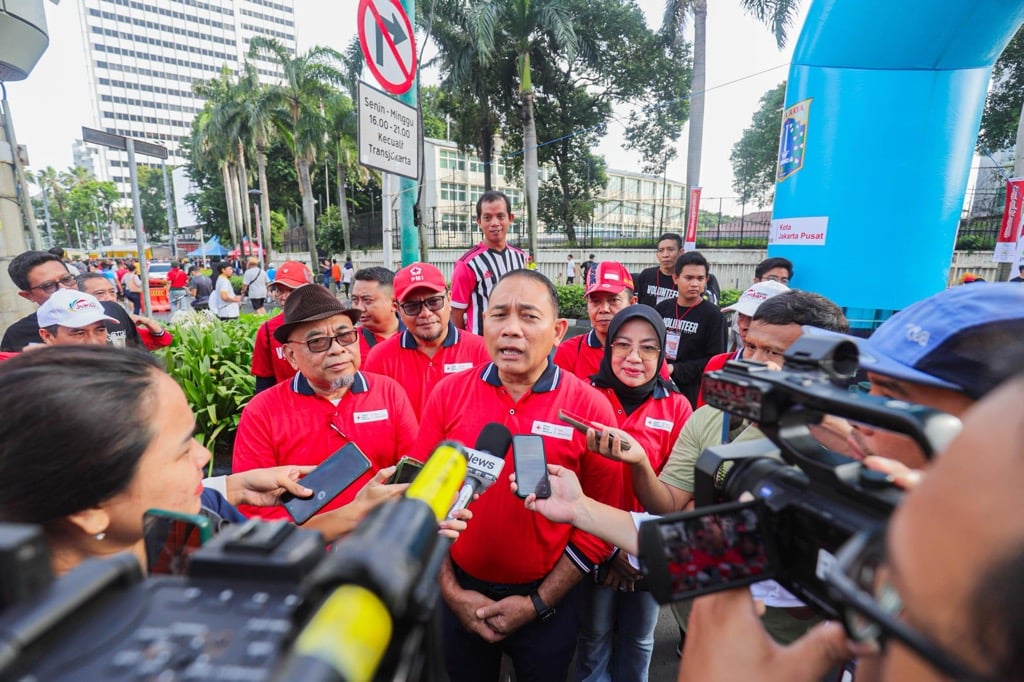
x=397 y=362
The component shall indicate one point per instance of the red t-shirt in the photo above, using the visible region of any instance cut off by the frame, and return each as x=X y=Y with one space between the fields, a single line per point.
x=177 y=278
x=505 y=542
x=268 y=354
x=655 y=425
x=290 y=424
x=400 y=358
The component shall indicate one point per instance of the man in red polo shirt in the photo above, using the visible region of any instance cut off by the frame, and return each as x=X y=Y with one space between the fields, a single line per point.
x=373 y=295
x=431 y=347
x=326 y=405
x=269 y=365
x=509 y=586
x=609 y=289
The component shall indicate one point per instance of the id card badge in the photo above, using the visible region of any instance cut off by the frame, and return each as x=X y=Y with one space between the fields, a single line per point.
x=671 y=344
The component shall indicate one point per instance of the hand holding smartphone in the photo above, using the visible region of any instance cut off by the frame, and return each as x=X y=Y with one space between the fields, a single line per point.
x=327 y=481
x=531 y=467
x=581 y=425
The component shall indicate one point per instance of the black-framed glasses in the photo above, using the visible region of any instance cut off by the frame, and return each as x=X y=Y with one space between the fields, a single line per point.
x=322 y=343
x=412 y=308
x=646 y=351
x=67 y=281
x=873 y=606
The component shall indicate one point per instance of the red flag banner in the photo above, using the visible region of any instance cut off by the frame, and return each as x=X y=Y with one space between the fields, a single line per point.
x=1010 y=229
x=691 y=220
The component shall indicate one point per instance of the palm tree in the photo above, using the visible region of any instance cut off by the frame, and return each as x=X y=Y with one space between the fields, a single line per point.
x=309 y=79
x=341 y=132
x=212 y=145
x=49 y=180
x=778 y=15
x=253 y=118
x=525 y=25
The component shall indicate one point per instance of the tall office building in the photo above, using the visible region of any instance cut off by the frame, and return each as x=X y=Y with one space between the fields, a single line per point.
x=142 y=57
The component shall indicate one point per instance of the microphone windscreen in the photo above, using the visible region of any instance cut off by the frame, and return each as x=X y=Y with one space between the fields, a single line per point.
x=494 y=438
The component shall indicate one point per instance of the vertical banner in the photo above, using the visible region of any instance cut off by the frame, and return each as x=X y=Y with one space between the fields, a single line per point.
x=1006 y=250
x=691 y=220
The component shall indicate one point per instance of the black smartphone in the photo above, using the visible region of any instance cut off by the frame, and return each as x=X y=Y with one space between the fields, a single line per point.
x=581 y=425
x=694 y=553
x=531 y=467
x=406 y=470
x=327 y=481
x=171 y=538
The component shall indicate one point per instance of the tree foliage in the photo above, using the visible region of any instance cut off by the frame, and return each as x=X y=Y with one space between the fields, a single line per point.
x=755 y=156
x=1002 y=108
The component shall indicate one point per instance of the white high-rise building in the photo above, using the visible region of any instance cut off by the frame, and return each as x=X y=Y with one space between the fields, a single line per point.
x=142 y=57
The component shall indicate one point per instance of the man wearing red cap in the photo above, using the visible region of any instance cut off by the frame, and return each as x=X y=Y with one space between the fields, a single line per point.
x=609 y=289
x=269 y=365
x=431 y=347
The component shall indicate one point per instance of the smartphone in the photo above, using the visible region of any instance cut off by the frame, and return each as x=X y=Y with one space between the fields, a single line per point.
x=581 y=425
x=406 y=470
x=531 y=467
x=711 y=549
x=170 y=539
x=327 y=481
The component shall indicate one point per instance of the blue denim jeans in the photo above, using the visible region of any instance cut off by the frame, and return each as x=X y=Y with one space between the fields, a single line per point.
x=617 y=636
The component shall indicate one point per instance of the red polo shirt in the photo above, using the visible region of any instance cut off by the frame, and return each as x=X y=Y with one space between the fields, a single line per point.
x=177 y=278
x=655 y=425
x=505 y=542
x=268 y=354
x=401 y=359
x=290 y=424
x=581 y=355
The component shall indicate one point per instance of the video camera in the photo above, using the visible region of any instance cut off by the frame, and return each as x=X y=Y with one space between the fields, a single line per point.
x=261 y=601
x=804 y=501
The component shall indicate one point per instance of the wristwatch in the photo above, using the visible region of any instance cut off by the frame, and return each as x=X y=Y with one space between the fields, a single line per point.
x=543 y=610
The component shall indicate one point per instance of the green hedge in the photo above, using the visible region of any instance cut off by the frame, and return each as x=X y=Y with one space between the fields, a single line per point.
x=571 y=303
x=210 y=360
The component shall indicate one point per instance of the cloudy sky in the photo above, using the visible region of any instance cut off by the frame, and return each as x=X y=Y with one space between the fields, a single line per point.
x=51 y=106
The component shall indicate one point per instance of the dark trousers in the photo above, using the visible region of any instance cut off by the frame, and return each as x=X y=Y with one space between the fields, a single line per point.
x=541 y=651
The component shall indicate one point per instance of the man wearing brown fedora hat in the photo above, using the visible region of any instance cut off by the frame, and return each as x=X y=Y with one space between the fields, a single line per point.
x=327 y=404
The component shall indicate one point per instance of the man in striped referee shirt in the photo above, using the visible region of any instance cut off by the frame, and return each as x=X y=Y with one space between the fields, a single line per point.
x=478 y=270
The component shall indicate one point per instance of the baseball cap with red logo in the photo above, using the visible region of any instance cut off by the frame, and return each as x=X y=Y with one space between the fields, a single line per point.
x=418 y=276
x=751 y=299
x=292 y=274
x=71 y=308
x=609 y=276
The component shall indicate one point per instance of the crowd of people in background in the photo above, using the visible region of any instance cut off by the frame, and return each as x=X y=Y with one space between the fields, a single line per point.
x=397 y=362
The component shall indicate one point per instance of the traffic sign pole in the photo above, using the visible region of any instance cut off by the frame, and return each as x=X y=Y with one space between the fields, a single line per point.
x=140 y=236
x=409 y=189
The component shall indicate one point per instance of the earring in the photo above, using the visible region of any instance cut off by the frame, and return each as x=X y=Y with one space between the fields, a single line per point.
x=100 y=536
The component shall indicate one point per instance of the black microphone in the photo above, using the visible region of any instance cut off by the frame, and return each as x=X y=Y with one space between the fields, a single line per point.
x=486 y=460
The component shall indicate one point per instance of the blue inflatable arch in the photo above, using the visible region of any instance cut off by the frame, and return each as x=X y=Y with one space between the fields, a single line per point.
x=883 y=105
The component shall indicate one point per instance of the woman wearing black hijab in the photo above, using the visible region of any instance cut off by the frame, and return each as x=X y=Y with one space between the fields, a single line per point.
x=617 y=637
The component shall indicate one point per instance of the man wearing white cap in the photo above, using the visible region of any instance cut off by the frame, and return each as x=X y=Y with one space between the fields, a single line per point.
x=745 y=307
x=70 y=316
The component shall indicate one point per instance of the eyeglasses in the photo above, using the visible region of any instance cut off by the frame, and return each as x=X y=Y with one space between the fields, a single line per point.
x=776 y=278
x=322 y=343
x=411 y=308
x=622 y=349
x=67 y=281
x=873 y=606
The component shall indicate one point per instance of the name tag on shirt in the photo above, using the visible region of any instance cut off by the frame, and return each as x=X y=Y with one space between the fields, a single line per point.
x=553 y=430
x=453 y=367
x=659 y=424
x=671 y=345
x=365 y=417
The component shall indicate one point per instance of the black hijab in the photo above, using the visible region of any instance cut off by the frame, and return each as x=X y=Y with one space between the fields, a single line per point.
x=632 y=397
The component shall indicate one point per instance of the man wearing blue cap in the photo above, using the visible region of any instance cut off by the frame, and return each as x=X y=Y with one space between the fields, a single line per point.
x=944 y=352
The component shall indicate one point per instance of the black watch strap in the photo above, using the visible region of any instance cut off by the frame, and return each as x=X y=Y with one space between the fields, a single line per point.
x=543 y=610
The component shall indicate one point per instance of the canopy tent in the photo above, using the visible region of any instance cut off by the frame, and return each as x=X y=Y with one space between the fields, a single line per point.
x=210 y=248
